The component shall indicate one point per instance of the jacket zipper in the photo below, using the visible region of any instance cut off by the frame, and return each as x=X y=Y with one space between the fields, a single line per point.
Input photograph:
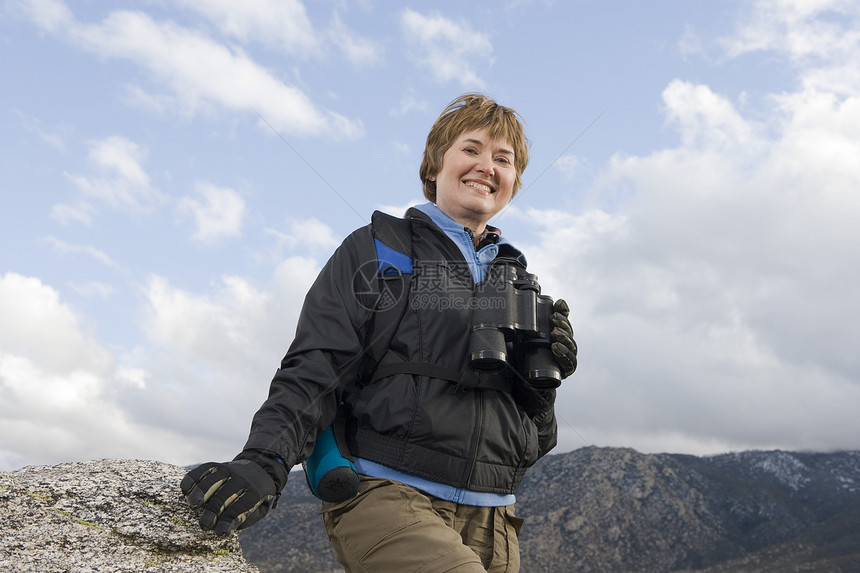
x=476 y=436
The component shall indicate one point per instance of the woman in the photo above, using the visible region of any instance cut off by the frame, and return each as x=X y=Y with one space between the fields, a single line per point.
x=440 y=455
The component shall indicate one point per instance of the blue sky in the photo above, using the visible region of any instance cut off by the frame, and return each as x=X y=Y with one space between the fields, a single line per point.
x=174 y=174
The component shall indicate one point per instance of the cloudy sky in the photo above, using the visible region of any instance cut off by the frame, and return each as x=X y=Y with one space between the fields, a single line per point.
x=174 y=174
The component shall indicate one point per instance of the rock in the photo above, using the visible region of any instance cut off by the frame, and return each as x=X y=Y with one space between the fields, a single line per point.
x=107 y=515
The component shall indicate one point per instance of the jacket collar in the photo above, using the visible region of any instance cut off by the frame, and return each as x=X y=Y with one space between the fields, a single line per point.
x=506 y=249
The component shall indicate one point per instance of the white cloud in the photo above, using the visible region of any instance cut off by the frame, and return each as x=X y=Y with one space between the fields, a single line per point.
x=68 y=416
x=93 y=289
x=306 y=234
x=120 y=182
x=237 y=325
x=718 y=300
x=795 y=27
x=81 y=213
x=67 y=249
x=703 y=117
x=37 y=324
x=285 y=25
x=59 y=388
x=122 y=156
x=211 y=355
x=690 y=43
x=570 y=165
x=218 y=212
x=821 y=37
x=32 y=124
x=155 y=104
x=672 y=341
x=200 y=73
x=192 y=324
x=716 y=304
x=187 y=395
x=358 y=50
x=279 y=23
x=409 y=103
x=449 y=49
x=399 y=210
x=51 y=15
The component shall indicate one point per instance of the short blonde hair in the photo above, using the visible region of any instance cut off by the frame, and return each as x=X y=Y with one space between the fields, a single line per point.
x=466 y=113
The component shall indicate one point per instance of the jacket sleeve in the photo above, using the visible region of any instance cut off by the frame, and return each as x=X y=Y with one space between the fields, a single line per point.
x=540 y=407
x=324 y=357
x=547 y=427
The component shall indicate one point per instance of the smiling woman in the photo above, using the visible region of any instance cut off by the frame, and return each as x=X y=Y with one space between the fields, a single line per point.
x=440 y=444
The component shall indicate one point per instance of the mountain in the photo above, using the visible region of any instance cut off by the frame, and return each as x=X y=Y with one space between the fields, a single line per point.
x=615 y=509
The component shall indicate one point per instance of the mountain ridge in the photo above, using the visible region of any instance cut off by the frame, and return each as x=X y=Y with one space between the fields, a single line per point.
x=615 y=509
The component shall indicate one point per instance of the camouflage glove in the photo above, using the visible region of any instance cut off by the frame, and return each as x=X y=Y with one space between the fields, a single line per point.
x=563 y=346
x=234 y=495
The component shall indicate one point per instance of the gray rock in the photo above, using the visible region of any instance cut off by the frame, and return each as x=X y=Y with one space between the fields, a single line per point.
x=107 y=515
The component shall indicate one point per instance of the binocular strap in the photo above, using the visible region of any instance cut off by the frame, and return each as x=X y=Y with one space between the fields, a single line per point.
x=469 y=379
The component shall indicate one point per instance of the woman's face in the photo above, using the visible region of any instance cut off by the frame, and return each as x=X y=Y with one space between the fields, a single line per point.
x=476 y=180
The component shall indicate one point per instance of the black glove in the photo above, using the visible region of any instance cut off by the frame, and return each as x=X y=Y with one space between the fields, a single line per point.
x=234 y=495
x=563 y=346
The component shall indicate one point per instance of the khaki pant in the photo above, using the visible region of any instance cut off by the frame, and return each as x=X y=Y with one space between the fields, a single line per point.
x=390 y=527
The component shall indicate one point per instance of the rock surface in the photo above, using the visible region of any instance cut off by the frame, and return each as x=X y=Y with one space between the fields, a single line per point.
x=107 y=515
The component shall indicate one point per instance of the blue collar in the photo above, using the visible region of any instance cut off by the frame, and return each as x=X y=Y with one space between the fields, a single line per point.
x=479 y=260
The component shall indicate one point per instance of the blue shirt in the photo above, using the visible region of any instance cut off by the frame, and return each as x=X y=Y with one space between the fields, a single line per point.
x=478 y=261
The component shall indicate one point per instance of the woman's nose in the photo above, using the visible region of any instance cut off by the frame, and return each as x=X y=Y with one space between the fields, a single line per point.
x=486 y=165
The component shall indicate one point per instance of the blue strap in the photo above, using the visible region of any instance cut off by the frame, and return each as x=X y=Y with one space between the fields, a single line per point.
x=391 y=262
x=332 y=476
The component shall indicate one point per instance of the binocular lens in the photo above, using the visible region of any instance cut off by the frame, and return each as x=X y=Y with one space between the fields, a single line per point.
x=540 y=365
x=545 y=379
x=486 y=352
x=487 y=360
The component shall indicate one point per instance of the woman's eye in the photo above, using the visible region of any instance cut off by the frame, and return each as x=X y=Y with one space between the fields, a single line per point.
x=504 y=160
x=471 y=151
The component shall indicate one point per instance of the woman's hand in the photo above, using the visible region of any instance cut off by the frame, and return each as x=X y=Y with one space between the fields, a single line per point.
x=563 y=346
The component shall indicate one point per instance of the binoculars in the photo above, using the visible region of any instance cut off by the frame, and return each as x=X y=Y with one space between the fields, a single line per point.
x=511 y=325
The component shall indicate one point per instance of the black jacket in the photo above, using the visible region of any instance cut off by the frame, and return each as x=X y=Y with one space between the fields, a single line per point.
x=479 y=439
